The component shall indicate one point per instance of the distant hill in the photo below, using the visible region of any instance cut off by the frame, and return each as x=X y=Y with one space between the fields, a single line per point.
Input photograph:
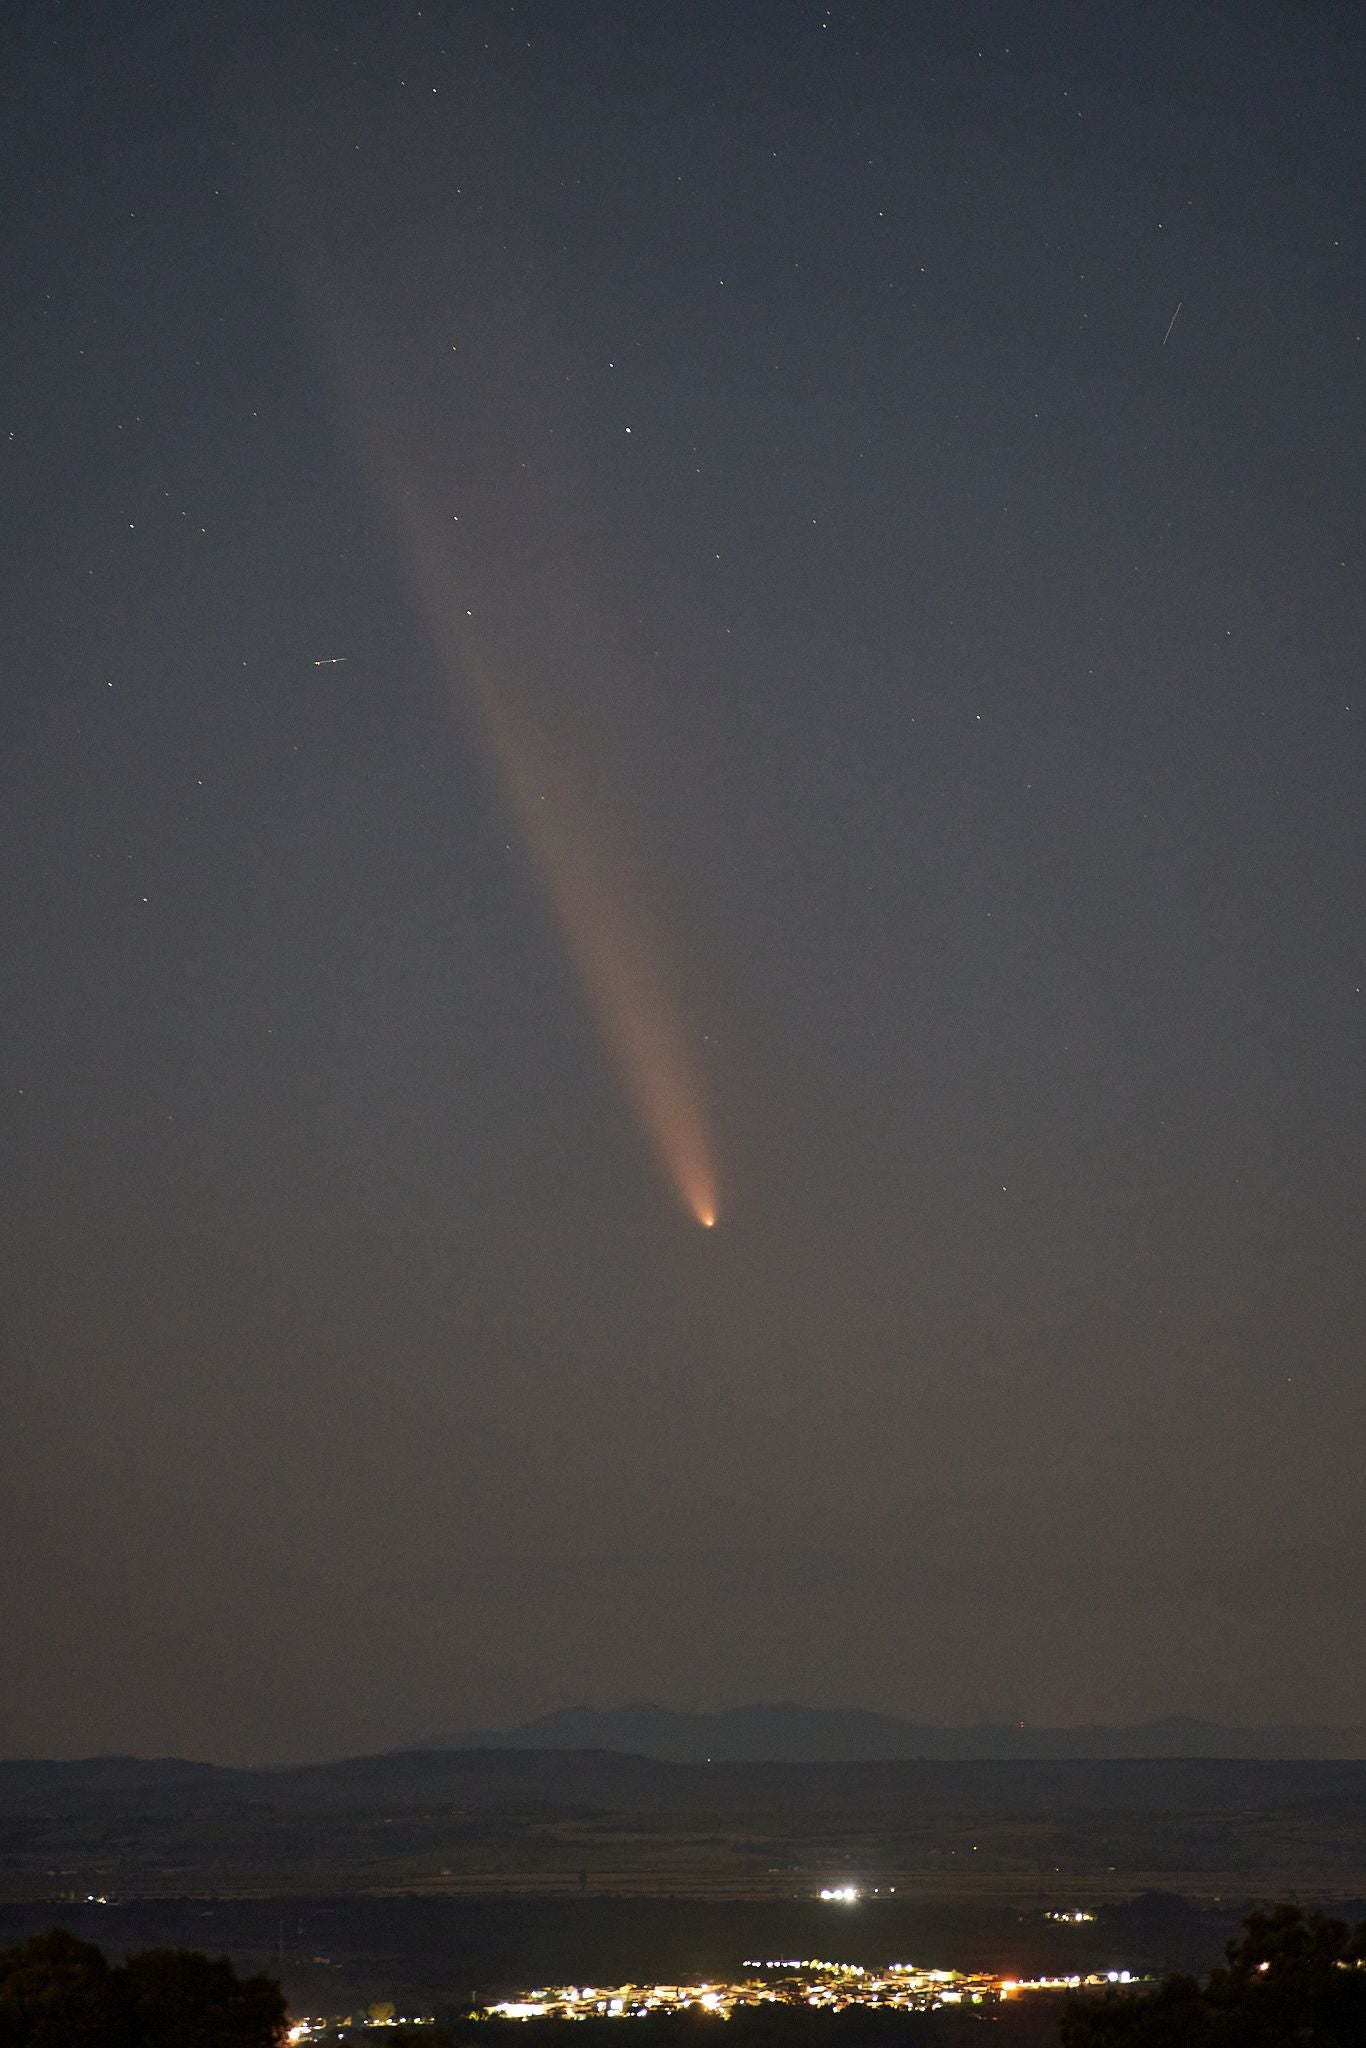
x=552 y=1819
x=792 y=1734
x=547 y=1781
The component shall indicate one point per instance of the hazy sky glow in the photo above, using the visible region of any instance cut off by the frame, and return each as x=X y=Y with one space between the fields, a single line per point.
x=834 y=711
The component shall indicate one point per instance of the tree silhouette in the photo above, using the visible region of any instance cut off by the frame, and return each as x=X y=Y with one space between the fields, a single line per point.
x=59 y=1992
x=181 y=1999
x=1292 y=1980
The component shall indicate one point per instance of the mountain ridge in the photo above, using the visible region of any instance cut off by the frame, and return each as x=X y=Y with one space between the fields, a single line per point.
x=782 y=1732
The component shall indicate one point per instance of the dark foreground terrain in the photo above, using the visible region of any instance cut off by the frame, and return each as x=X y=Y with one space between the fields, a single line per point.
x=441 y=1881
x=540 y=1822
x=444 y=1955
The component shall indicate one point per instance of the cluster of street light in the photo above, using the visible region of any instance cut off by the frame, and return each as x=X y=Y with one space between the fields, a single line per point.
x=341 y=2024
x=811 y=1982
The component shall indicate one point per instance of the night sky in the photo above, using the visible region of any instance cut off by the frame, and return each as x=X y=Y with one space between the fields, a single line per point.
x=617 y=608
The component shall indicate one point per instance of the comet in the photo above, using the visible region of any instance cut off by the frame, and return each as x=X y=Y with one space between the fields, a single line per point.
x=568 y=811
x=605 y=935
